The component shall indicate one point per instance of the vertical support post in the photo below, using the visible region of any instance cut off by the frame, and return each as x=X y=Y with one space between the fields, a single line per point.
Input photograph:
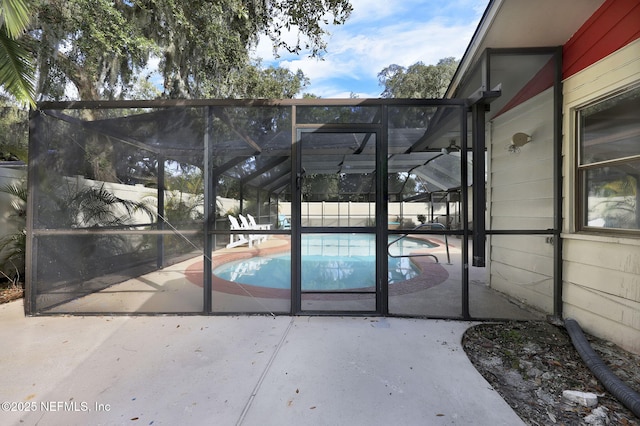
x=479 y=202
x=296 y=200
x=448 y=212
x=464 y=212
x=258 y=209
x=431 y=207
x=161 y=212
x=34 y=169
x=557 y=180
x=382 y=215
x=210 y=189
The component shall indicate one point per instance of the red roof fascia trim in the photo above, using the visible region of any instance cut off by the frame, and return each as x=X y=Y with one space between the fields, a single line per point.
x=538 y=84
x=611 y=27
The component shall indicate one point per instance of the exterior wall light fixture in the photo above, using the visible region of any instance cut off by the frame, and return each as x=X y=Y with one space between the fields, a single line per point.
x=518 y=140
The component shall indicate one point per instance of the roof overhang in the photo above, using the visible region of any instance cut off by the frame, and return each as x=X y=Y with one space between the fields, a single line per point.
x=513 y=25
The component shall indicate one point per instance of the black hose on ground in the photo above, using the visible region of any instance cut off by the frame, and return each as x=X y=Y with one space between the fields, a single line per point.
x=624 y=394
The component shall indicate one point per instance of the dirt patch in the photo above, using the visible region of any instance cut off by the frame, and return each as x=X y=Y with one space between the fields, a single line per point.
x=531 y=363
x=9 y=293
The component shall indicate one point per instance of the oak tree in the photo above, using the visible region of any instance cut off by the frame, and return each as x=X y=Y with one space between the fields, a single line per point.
x=417 y=80
x=199 y=46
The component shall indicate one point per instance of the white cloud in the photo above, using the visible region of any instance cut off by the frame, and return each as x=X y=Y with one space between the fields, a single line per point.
x=381 y=33
x=375 y=10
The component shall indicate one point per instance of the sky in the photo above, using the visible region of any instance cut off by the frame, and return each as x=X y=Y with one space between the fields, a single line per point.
x=377 y=34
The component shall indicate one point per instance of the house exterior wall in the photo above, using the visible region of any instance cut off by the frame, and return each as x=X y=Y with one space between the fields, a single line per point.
x=520 y=196
x=601 y=273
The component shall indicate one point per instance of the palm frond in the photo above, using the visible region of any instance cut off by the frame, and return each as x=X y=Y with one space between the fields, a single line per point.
x=16 y=69
x=19 y=191
x=14 y=244
x=14 y=14
x=99 y=207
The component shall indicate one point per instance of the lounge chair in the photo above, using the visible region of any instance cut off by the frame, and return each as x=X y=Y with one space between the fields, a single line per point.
x=254 y=225
x=263 y=226
x=247 y=226
x=283 y=222
x=236 y=240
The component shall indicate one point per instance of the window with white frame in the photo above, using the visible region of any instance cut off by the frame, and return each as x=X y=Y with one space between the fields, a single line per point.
x=609 y=163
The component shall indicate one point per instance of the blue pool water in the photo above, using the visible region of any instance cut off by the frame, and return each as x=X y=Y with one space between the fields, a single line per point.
x=329 y=262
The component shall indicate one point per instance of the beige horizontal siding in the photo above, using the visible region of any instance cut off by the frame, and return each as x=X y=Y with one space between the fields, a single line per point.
x=520 y=196
x=617 y=70
x=525 y=260
x=526 y=208
x=534 y=190
x=511 y=223
x=612 y=256
x=520 y=170
x=601 y=273
x=610 y=307
x=603 y=327
x=529 y=287
x=531 y=244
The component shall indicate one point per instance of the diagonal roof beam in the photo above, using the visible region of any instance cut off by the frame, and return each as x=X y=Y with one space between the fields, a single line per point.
x=433 y=181
x=90 y=126
x=376 y=118
x=275 y=177
x=218 y=171
x=270 y=165
x=279 y=182
x=438 y=122
x=219 y=112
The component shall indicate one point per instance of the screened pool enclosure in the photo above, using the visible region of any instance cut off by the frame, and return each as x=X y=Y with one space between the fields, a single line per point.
x=284 y=207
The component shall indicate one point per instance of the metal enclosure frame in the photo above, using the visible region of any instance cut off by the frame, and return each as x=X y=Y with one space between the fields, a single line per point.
x=476 y=106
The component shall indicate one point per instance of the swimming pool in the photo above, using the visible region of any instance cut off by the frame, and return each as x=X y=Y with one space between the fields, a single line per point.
x=330 y=262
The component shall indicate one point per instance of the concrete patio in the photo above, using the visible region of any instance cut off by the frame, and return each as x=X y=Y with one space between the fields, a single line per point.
x=249 y=370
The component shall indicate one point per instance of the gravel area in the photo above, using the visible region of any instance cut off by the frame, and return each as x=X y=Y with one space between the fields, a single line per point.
x=532 y=363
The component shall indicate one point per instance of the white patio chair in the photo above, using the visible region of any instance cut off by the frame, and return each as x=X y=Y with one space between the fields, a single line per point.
x=246 y=226
x=254 y=225
x=252 y=222
x=236 y=240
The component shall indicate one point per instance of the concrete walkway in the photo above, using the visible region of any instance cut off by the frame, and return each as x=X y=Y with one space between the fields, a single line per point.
x=258 y=370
